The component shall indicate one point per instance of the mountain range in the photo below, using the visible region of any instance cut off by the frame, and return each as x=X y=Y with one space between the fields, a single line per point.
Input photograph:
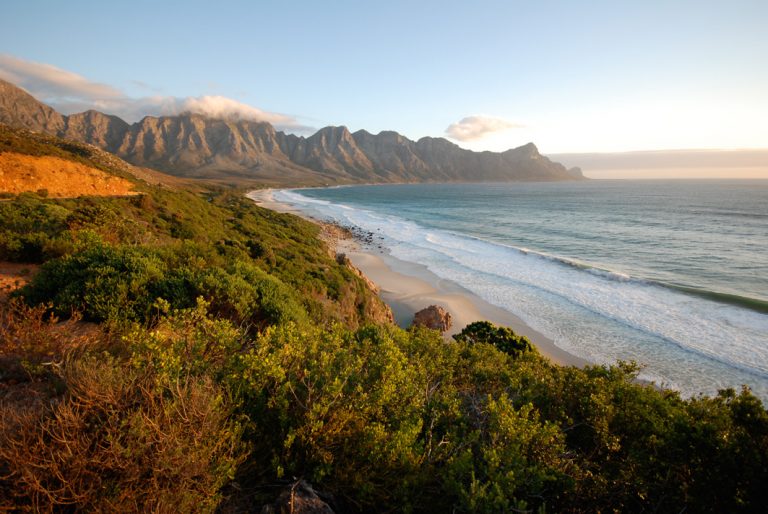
x=193 y=145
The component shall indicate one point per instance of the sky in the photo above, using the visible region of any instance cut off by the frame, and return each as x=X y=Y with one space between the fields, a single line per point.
x=569 y=76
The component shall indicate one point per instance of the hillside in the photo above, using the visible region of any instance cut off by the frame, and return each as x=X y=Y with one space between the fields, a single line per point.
x=192 y=145
x=57 y=177
x=229 y=359
x=31 y=157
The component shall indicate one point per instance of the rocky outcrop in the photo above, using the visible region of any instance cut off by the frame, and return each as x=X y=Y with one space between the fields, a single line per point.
x=299 y=498
x=101 y=130
x=331 y=149
x=434 y=317
x=192 y=145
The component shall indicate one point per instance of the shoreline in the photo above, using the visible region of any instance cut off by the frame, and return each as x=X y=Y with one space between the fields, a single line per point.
x=409 y=287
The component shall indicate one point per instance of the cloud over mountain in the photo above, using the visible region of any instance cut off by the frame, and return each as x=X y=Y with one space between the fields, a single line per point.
x=477 y=127
x=223 y=107
x=52 y=83
x=71 y=93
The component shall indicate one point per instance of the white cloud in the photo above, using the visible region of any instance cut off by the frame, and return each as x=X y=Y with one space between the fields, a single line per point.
x=69 y=92
x=223 y=107
x=51 y=82
x=477 y=127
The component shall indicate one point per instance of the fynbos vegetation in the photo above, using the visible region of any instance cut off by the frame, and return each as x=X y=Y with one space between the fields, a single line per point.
x=192 y=352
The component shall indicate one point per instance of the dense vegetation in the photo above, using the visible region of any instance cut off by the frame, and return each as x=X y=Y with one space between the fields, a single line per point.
x=187 y=352
x=111 y=258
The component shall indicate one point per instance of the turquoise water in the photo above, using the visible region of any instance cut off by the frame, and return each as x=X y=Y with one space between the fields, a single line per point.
x=672 y=274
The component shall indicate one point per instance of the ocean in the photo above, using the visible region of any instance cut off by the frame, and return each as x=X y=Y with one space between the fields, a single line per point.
x=670 y=274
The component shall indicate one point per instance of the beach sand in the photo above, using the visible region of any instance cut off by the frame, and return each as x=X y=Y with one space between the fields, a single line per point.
x=407 y=288
x=264 y=198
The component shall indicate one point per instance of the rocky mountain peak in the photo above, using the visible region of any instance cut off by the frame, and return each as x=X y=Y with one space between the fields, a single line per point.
x=192 y=144
x=331 y=136
x=20 y=109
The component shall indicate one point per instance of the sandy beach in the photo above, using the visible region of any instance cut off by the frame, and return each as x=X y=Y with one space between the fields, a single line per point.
x=408 y=287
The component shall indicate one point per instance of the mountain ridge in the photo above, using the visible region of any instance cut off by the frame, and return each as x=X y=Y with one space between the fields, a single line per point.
x=193 y=145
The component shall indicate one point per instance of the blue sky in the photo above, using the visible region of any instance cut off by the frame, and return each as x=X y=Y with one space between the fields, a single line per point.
x=569 y=76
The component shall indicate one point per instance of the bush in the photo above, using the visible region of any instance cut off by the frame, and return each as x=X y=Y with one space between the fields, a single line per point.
x=187 y=342
x=340 y=410
x=104 y=282
x=109 y=282
x=503 y=338
x=510 y=460
x=29 y=226
x=33 y=342
x=120 y=440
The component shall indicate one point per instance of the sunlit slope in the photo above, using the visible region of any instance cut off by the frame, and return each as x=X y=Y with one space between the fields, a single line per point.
x=59 y=177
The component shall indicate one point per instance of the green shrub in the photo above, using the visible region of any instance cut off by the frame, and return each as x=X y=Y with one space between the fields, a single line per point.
x=102 y=281
x=503 y=338
x=108 y=282
x=341 y=410
x=510 y=460
x=186 y=342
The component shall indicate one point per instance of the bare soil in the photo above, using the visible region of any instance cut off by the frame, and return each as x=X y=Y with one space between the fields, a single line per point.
x=59 y=177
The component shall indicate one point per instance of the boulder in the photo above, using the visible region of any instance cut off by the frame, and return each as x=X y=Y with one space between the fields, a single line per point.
x=299 y=498
x=434 y=317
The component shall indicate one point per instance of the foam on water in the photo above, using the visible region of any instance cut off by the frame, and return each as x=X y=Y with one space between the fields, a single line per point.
x=686 y=342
